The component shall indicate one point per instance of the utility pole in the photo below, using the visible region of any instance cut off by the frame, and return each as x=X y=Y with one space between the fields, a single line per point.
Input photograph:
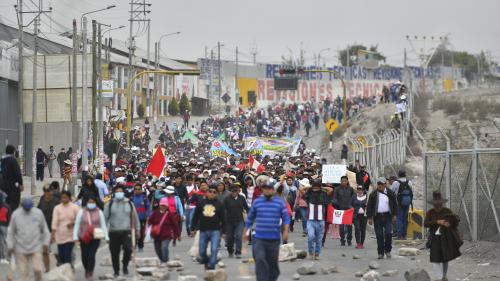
x=99 y=100
x=20 y=84
x=219 y=66
x=155 y=86
x=34 y=106
x=74 y=106
x=148 y=92
x=347 y=78
x=85 y=132
x=236 y=88
x=137 y=12
x=94 y=89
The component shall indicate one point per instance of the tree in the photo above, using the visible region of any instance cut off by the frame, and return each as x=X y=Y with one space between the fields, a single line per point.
x=470 y=63
x=184 y=104
x=353 y=53
x=173 y=107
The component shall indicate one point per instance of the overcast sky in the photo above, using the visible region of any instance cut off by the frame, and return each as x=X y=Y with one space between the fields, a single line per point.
x=277 y=27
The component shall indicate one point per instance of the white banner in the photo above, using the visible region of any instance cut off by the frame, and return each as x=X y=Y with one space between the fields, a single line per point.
x=331 y=173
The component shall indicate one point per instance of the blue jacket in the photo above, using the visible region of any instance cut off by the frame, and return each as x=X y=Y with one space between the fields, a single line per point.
x=142 y=206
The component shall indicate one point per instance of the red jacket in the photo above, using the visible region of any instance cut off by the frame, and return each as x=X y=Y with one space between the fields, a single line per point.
x=170 y=227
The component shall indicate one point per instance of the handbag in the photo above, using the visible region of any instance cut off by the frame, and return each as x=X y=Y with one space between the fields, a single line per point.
x=88 y=235
x=156 y=229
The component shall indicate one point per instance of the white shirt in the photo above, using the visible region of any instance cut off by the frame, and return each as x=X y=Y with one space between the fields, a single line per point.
x=383 y=202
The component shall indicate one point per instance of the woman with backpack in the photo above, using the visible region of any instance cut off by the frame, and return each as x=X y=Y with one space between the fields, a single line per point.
x=90 y=228
x=164 y=228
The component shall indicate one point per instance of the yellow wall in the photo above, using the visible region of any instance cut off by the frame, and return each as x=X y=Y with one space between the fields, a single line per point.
x=245 y=85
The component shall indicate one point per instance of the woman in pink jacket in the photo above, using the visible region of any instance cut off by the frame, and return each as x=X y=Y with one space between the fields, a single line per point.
x=63 y=222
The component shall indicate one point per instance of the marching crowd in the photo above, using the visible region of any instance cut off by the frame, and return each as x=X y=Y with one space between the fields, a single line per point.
x=211 y=198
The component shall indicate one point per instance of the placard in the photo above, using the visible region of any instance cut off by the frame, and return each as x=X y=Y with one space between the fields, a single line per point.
x=331 y=173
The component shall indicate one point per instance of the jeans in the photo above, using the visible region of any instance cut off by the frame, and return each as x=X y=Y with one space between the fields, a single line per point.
x=383 y=231
x=212 y=236
x=265 y=254
x=303 y=218
x=88 y=254
x=189 y=217
x=117 y=241
x=65 y=252
x=3 y=242
x=40 y=169
x=360 y=228
x=345 y=229
x=315 y=231
x=402 y=220
x=161 y=249
x=234 y=232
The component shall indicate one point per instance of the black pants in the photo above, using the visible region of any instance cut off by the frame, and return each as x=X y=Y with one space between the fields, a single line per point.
x=140 y=239
x=360 y=228
x=345 y=229
x=88 y=254
x=40 y=169
x=383 y=231
x=120 y=240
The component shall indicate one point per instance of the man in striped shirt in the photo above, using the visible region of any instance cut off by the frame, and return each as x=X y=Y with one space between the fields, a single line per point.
x=270 y=216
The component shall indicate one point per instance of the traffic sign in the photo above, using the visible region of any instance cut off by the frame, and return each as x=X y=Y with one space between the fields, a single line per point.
x=331 y=125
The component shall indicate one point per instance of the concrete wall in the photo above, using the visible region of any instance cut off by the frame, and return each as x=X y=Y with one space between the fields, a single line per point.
x=9 y=108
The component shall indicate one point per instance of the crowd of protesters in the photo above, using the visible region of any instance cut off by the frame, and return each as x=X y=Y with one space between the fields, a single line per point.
x=212 y=198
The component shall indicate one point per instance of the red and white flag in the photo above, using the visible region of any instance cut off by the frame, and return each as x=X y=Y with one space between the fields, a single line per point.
x=228 y=162
x=254 y=164
x=340 y=216
x=157 y=164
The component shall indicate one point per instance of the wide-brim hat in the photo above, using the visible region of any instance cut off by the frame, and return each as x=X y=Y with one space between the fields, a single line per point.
x=437 y=198
x=170 y=190
x=67 y=162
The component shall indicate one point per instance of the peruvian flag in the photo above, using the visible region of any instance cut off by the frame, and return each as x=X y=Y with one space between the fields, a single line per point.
x=228 y=162
x=254 y=164
x=339 y=216
x=157 y=163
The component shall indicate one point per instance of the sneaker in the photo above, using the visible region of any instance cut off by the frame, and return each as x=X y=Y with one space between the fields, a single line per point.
x=238 y=256
x=163 y=264
x=380 y=257
x=230 y=255
x=115 y=275
x=358 y=246
x=388 y=255
x=4 y=261
x=125 y=271
x=342 y=244
x=311 y=256
x=316 y=257
x=349 y=243
x=361 y=246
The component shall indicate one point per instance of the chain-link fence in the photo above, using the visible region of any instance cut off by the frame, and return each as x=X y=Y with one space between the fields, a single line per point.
x=469 y=179
x=380 y=151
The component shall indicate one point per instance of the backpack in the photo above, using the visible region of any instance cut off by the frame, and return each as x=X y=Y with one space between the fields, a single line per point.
x=4 y=215
x=404 y=194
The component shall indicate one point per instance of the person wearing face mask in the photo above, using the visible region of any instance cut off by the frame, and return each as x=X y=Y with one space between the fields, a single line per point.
x=122 y=218
x=90 y=216
x=271 y=219
x=27 y=238
x=444 y=240
x=63 y=222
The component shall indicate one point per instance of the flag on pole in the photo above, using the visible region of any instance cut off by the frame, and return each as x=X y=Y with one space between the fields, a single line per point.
x=254 y=164
x=157 y=164
x=228 y=162
x=339 y=216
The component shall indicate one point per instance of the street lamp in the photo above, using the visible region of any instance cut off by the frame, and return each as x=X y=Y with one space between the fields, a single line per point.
x=83 y=22
x=166 y=35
